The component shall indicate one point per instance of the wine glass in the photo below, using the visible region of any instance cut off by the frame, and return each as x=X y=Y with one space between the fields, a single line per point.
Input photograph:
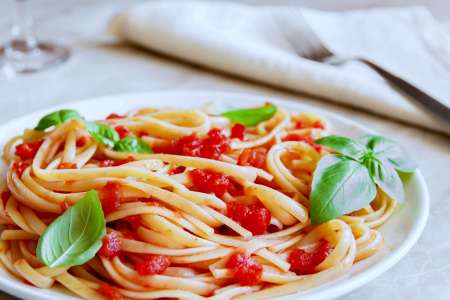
x=23 y=53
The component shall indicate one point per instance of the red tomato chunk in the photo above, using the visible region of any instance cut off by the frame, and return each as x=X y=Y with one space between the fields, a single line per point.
x=253 y=157
x=67 y=165
x=82 y=141
x=110 y=246
x=207 y=181
x=245 y=269
x=299 y=125
x=122 y=131
x=303 y=262
x=253 y=217
x=110 y=197
x=5 y=195
x=212 y=146
x=109 y=292
x=28 y=150
x=19 y=167
x=152 y=264
x=318 y=124
x=238 y=132
x=115 y=116
x=307 y=139
x=134 y=221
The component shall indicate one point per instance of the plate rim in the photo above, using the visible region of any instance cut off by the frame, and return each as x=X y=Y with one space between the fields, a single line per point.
x=19 y=289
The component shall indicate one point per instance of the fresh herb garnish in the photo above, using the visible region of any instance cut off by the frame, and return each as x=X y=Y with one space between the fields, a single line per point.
x=389 y=150
x=346 y=181
x=133 y=145
x=103 y=133
x=251 y=116
x=56 y=118
x=75 y=236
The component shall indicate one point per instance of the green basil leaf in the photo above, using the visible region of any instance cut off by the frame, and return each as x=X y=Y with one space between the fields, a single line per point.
x=56 y=118
x=103 y=133
x=251 y=116
x=387 y=179
x=387 y=149
x=75 y=236
x=339 y=186
x=133 y=145
x=343 y=145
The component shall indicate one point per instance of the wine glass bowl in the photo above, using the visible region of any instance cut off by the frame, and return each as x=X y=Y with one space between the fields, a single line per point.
x=23 y=52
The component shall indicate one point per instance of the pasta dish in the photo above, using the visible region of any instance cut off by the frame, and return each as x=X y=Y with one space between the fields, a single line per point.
x=251 y=203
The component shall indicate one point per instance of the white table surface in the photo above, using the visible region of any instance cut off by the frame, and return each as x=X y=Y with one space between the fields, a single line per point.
x=100 y=66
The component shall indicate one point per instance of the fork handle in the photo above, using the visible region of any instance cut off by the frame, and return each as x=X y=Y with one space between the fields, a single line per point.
x=434 y=106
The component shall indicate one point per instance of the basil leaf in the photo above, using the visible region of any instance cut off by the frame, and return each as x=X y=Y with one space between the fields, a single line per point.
x=339 y=186
x=385 y=176
x=74 y=237
x=343 y=145
x=56 y=118
x=102 y=133
x=387 y=149
x=251 y=116
x=133 y=145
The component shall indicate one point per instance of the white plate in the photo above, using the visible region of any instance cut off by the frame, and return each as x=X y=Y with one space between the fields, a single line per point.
x=400 y=233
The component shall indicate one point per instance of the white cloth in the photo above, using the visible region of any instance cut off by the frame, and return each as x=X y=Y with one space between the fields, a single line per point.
x=259 y=42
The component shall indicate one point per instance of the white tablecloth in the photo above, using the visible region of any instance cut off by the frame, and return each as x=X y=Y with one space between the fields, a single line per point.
x=100 y=67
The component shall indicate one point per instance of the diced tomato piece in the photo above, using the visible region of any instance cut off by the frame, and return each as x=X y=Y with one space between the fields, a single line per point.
x=110 y=292
x=28 y=150
x=246 y=270
x=167 y=147
x=5 y=195
x=67 y=165
x=115 y=116
x=299 y=125
x=110 y=197
x=82 y=141
x=141 y=134
x=318 y=124
x=152 y=264
x=212 y=146
x=237 y=211
x=215 y=144
x=177 y=170
x=189 y=145
x=235 y=189
x=257 y=219
x=322 y=252
x=122 y=131
x=134 y=221
x=238 y=131
x=307 y=139
x=208 y=181
x=110 y=245
x=106 y=163
x=254 y=217
x=131 y=235
x=19 y=167
x=303 y=262
x=253 y=157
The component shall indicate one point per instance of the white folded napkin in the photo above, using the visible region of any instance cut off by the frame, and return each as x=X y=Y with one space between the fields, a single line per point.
x=259 y=42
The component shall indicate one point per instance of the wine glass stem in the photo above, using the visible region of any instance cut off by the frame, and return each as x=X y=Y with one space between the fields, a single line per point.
x=22 y=37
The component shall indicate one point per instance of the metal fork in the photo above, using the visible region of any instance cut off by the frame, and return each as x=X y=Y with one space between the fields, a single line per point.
x=310 y=47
